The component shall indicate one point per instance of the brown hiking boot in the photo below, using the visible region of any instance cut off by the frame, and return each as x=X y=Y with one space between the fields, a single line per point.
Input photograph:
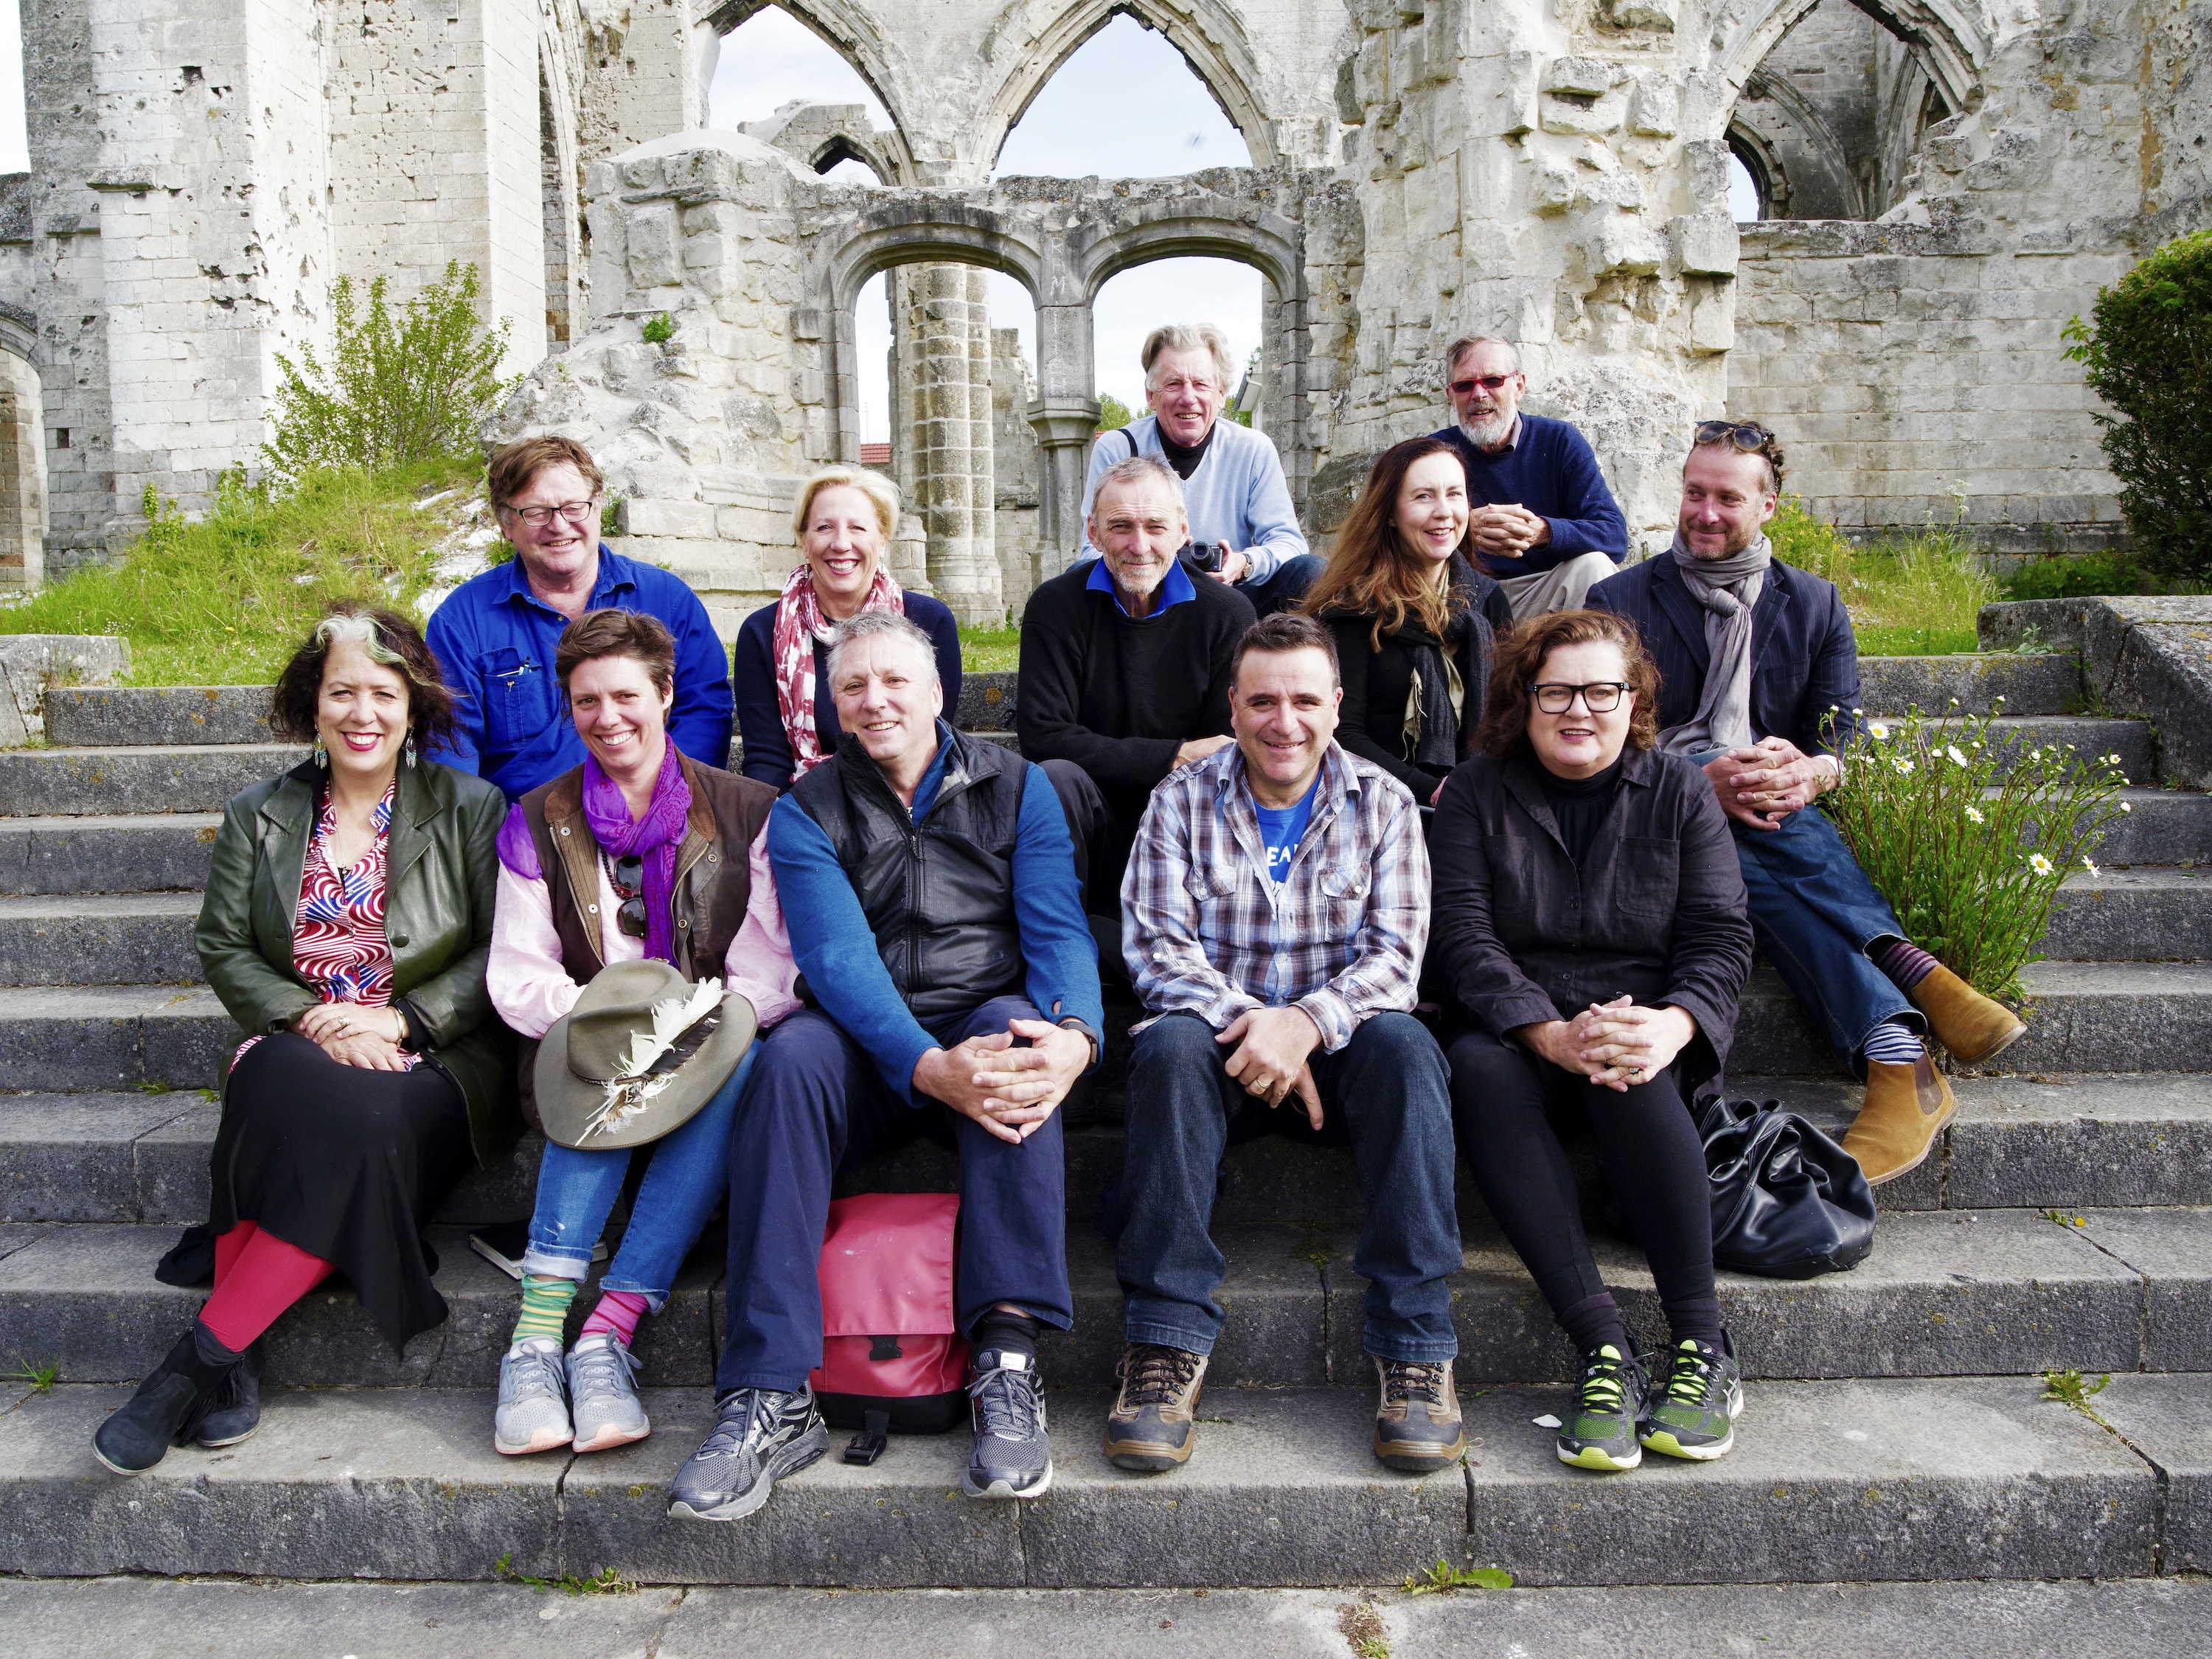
x=1149 y=1431
x=1417 y=1426
x=1905 y=1106
x=1972 y=1026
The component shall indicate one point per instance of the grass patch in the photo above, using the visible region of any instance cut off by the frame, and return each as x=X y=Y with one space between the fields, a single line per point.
x=2089 y=575
x=38 y=1376
x=989 y=650
x=225 y=599
x=1912 y=595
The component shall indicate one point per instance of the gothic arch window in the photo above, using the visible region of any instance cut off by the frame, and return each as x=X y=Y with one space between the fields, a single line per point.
x=779 y=75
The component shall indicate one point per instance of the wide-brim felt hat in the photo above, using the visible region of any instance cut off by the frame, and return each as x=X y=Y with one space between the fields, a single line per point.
x=643 y=1050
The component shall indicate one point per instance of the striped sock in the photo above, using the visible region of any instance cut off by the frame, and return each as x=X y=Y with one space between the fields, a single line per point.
x=1902 y=962
x=618 y=1314
x=1893 y=1043
x=545 y=1302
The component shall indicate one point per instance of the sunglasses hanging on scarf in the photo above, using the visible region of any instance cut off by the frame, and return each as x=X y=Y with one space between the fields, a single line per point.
x=626 y=875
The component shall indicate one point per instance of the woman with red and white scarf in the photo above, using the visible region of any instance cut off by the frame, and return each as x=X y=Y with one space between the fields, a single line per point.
x=787 y=718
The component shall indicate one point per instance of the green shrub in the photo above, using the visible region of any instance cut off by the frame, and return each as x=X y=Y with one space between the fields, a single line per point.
x=1970 y=843
x=658 y=330
x=1113 y=413
x=2082 y=576
x=2148 y=350
x=1916 y=594
x=396 y=387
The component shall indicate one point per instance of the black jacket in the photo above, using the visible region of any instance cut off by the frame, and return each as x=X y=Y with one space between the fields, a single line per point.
x=1376 y=682
x=939 y=898
x=1656 y=910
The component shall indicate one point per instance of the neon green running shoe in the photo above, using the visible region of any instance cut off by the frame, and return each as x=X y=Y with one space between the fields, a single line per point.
x=1609 y=1400
x=1694 y=1400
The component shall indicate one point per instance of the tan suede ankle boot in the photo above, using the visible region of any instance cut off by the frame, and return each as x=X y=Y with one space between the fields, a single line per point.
x=1972 y=1026
x=1905 y=1106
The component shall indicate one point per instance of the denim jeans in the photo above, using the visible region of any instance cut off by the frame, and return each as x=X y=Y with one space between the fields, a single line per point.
x=1283 y=590
x=685 y=1180
x=1814 y=913
x=817 y=1103
x=1385 y=1091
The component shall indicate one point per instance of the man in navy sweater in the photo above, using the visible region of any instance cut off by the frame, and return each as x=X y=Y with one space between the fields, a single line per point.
x=1548 y=530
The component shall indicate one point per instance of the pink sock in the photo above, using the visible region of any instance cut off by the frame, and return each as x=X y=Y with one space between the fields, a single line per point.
x=618 y=1312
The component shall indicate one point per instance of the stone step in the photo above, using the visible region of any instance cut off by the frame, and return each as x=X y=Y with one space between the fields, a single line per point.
x=1955 y=1292
x=2088 y=736
x=115 y=779
x=1905 y=1479
x=167 y=715
x=146 y=938
x=108 y=852
x=128 y=1618
x=2038 y=685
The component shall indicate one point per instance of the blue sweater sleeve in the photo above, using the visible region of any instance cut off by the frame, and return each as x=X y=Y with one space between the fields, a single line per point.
x=767 y=757
x=1057 y=945
x=1272 y=520
x=835 y=948
x=462 y=667
x=699 y=721
x=1589 y=519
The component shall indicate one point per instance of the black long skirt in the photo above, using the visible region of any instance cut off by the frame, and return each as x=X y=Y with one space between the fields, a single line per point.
x=344 y=1164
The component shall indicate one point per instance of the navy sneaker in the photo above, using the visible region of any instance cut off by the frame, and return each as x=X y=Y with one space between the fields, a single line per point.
x=760 y=1436
x=1013 y=1453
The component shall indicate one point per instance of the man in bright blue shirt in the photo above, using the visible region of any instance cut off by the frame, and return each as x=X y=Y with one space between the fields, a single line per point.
x=928 y=887
x=496 y=633
x=1547 y=527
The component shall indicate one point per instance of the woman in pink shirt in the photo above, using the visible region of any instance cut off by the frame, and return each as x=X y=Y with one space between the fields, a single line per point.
x=640 y=852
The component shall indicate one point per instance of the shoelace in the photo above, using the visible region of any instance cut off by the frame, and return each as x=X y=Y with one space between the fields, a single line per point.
x=735 y=1425
x=601 y=1358
x=1409 y=1380
x=1692 y=1377
x=538 y=1379
x=1158 y=1375
x=1007 y=1402
x=1604 y=1383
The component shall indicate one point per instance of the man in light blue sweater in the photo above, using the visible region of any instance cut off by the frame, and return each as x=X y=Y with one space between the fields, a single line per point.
x=1232 y=479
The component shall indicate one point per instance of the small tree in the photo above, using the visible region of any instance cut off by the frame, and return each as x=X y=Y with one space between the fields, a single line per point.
x=1113 y=413
x=2148 y=348
x=402 y=386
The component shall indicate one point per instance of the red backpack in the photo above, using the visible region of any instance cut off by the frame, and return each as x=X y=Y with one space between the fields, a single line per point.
x=892 y=1357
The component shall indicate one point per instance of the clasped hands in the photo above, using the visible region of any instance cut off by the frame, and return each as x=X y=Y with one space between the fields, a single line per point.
x=1617 y=1044
x=356 y=1034
x=1764 y=784
x=1506 y=532
x=1269 y=1060
x=1009 y=1090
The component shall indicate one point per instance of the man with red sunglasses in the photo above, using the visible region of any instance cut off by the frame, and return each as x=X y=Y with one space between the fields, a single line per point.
x=1547 y=529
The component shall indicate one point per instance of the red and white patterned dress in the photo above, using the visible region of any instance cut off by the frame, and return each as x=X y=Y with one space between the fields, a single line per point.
x=338 y=943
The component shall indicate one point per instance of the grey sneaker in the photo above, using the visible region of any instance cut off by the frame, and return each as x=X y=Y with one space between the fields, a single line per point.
x=533 y=1403
x=759 y=1437
x=1012 y=1456
x=603 y=1393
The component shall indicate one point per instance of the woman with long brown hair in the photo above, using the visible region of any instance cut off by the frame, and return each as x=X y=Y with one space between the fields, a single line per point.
x=1412 y=616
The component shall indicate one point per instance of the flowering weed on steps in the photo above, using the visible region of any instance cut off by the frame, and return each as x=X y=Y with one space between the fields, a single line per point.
x=1969 y=837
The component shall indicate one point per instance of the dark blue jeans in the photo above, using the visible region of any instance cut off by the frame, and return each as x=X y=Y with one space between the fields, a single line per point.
x=815 y=1103
x=1385 y=1092
x=1283 y=590
x=1814 y=913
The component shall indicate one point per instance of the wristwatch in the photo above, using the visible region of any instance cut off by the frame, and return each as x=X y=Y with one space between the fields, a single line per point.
x=1077 y=1023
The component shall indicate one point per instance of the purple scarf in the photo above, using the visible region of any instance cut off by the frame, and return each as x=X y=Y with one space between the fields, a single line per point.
x=656 y=835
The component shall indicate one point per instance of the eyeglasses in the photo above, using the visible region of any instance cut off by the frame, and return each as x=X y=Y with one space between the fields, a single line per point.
x=1600 y=698
x=627 y=877
x=1487 y=382
x=539 y=517
x=1747 y=435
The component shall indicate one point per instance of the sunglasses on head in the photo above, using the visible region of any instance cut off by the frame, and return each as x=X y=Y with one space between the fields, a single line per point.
x=1746 y=435
x=1487 y=382
x=627 y=876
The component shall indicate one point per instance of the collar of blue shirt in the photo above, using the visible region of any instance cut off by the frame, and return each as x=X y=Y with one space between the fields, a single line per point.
x=1174 y=588
x=615 y=574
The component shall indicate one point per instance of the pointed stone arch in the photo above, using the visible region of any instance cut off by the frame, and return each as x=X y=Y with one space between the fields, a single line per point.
x=853 y=35
x=1946 y=36
x=1035 y=38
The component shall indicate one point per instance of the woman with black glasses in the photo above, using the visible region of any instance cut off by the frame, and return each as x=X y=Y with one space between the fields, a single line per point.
x=641 y=852
x=1588 y=922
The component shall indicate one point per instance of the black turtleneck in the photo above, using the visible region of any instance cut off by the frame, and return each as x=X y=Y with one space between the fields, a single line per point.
x=1579 y=804
x=1185 y=461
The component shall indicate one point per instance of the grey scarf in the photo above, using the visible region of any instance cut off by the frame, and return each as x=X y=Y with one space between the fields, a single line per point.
x=1728 y=589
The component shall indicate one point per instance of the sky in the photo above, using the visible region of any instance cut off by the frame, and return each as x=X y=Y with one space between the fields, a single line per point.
x=14 y=153
x=1127 y=81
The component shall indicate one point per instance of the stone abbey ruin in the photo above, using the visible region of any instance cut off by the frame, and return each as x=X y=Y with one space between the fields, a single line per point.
x=1945 y=183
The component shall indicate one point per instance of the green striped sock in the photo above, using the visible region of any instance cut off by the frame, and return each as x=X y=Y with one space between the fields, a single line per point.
x=545 y=1302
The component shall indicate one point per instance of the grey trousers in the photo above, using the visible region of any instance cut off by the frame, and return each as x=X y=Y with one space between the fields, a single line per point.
x=1563 y=588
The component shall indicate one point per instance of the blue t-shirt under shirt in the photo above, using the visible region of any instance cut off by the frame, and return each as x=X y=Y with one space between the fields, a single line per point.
x=1281 y=828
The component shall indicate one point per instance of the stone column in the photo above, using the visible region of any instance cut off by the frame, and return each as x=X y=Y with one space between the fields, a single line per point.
x=22 y=477
x=1065 y=419
x=948 y=345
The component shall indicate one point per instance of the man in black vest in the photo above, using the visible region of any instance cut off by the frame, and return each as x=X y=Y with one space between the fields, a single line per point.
x=928 y=887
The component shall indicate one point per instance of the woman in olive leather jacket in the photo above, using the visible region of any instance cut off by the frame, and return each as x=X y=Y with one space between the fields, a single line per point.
x=346 y=927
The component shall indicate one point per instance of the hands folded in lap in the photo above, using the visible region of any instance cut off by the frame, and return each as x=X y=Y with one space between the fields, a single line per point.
x=354 y=1034
x=1009 y=1090
x=1616 y=1044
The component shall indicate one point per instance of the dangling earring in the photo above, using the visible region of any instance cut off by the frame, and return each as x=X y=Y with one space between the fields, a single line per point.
x=407 y=750
x=322 y=755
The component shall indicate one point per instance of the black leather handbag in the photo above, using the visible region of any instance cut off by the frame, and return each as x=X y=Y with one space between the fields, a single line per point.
x=1788 y=1202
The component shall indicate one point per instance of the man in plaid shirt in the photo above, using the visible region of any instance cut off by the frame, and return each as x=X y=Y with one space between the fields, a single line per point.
x=1274 y=915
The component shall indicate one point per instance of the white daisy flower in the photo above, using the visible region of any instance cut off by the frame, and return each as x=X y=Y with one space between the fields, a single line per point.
x=2124 y=807
x=2085 y=864
x=1876 y=730
x=1904 y=767
x=2040 y=864
x=1974 y=815
x=1957 y=757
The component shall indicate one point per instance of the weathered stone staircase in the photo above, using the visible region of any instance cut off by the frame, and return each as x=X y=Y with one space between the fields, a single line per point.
x=1895 y=1429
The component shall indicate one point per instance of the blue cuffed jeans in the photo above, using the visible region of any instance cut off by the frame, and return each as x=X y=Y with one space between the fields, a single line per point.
x=688 y=1174
x=1814 y=913
x=817 y=1103
x=1386 y=1092
x=1284 y=589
